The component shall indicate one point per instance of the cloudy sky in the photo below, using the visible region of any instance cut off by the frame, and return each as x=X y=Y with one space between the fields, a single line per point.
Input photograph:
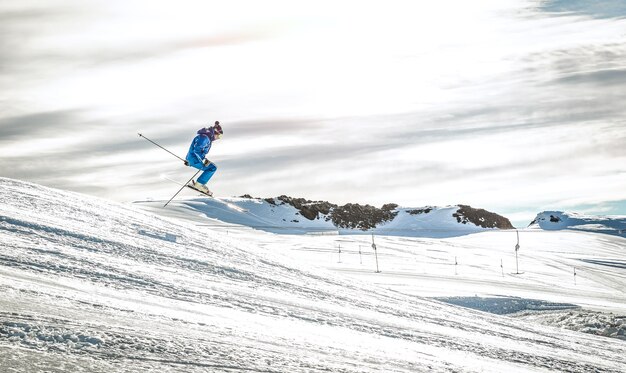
x=515 y=106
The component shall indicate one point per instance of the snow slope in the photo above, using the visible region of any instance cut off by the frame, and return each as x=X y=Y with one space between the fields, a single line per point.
x=91 y=285
x=485 y=258
x=283 y=218
x=556 y=220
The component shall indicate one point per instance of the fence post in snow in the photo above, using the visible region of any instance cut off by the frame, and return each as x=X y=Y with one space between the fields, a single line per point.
x=375 y=253
x=516 y=250
x=360 y=257
x=574 y=275
x=501 y=267
x=339 y=254
x=455 y=264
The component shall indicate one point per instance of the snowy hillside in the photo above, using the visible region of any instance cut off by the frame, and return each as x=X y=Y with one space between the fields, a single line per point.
x=94 y=286
x=556 y=220
x=293 y=216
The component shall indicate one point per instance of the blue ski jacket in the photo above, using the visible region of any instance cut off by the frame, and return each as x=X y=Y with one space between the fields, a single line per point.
x=199 y=148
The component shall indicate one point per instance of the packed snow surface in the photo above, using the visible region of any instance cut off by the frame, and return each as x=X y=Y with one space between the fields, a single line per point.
x=91 y=285
x=283 y=218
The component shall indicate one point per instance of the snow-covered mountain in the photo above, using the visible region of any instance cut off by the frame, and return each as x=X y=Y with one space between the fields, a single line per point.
x=556 y=220
x=88 y=285
x=296 y=215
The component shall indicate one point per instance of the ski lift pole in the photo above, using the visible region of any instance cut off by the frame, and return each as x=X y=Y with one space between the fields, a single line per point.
x=181 y=188
x=516 y=250
x=360 y=257
x=339 y=254
x=140 y=135
x=375 y=253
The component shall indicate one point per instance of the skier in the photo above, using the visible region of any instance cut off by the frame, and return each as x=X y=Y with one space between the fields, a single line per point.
x=197 y=151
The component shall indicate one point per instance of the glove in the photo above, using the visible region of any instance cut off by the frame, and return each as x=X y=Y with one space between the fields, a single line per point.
x=186 y=162
x=206 y=162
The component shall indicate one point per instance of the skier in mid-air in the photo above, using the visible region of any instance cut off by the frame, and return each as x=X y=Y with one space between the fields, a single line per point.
x=197 y=151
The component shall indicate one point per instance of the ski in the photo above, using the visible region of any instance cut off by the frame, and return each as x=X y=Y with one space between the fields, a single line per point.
x=230 y=205
x=188 y=186
x=208 y=193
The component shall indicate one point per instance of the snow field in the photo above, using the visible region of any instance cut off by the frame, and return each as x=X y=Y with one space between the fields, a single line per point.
x=91 y=285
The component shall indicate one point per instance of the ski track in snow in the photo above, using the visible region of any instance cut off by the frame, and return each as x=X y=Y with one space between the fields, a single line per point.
x=91 y=285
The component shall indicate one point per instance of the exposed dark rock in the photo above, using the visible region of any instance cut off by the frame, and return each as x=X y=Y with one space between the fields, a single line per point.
x=356 y=216
x=364 y=217
x=352 y=216
x=389 y=206
x=554 y=219
x=309 y=209
x=247 y=196
x=482 y=218
x=425 y=210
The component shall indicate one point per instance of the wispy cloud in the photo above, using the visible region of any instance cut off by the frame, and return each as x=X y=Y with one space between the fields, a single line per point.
x=596 y=8
x=502 y=105
x=37 y=125
x=604 y=78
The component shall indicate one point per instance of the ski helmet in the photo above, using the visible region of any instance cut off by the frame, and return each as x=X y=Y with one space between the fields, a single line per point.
x=217 y=128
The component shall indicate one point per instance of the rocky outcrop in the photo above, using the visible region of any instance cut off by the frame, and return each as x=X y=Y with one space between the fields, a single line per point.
x=365 y=217
x=424 y=210
x=355 y=216
x=349 y=216
x=481 y=218
x=309 y=209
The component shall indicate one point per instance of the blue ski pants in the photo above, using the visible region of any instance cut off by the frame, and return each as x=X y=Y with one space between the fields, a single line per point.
x=208 y=171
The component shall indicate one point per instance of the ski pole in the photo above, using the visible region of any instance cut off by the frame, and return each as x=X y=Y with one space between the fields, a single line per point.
x=181 y=188
x=140 y=135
